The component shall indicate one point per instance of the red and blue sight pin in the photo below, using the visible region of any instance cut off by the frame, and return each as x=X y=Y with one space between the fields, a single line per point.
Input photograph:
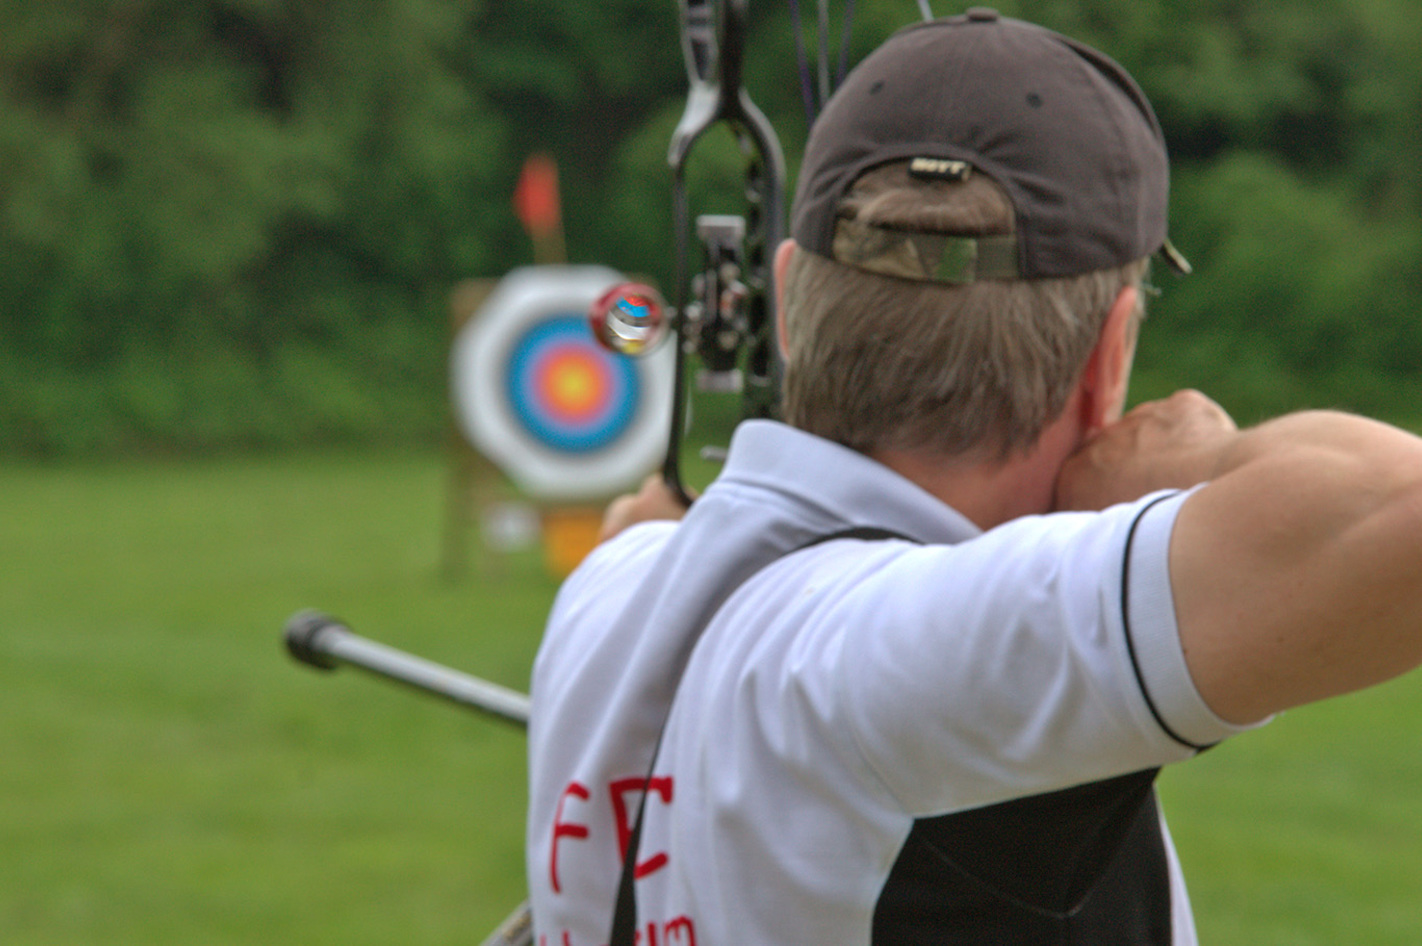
x=629 y=319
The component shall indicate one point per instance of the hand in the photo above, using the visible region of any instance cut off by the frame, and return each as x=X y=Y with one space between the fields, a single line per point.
x=1173 y=443
x=655 y=500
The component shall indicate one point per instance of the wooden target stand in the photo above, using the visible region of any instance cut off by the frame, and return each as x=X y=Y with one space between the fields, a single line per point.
x=475 y=484
x=534 y=494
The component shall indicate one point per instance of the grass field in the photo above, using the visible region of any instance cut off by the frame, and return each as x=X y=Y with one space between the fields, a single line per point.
x=168 y=775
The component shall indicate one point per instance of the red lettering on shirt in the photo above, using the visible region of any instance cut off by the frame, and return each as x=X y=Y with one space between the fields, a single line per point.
x=659 y=785
x=565 y=829
x=567 y=939
x=676 y=932
x=679 y=931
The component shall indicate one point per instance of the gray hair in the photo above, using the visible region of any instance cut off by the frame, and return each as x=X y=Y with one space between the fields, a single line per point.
x=876 y=361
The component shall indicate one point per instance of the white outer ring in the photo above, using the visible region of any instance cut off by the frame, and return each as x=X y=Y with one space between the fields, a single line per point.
x=478 y=371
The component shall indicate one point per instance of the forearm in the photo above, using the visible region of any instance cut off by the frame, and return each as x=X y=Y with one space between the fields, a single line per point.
x=1378 y=453
x=1297 y=571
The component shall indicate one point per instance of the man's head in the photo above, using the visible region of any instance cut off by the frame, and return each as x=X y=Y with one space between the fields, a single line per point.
x=971 y=204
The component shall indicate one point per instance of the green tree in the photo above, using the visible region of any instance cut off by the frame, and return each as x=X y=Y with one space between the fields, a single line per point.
x=231 y=222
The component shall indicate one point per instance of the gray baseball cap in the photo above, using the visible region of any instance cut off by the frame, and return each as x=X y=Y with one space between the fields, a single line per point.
x=1063 y=129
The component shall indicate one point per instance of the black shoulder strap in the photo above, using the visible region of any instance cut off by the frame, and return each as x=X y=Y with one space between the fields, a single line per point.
x=624 y=915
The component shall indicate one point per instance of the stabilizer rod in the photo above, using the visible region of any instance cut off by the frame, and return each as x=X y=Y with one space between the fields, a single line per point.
x=323 y=642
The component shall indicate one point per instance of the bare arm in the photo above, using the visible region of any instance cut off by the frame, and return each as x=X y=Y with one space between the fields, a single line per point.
x=1297 y=571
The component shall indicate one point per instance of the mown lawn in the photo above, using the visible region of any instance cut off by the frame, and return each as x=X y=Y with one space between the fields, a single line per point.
x=1309 y=831
x=168 y=775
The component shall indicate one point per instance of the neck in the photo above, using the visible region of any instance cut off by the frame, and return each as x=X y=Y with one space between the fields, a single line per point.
x=990 y=490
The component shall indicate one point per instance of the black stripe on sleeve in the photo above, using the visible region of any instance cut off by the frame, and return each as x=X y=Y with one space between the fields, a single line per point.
x=1130 y=641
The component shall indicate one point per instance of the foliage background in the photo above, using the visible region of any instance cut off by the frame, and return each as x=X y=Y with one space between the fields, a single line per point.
x=234 y=223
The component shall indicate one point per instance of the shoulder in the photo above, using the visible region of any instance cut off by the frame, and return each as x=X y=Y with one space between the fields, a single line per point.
x=606 y=580
x=630 y=549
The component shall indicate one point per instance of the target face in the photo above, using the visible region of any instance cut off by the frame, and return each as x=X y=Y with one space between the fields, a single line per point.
x=533 y=390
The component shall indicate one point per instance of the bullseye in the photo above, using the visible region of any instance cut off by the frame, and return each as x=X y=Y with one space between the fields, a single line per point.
x=570 y=393
x=575 y=385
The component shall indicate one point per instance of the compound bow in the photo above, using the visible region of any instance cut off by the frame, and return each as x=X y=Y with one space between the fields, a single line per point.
x=724 y=314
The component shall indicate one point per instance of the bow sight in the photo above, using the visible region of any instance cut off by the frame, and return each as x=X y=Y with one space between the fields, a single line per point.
x=724 y=316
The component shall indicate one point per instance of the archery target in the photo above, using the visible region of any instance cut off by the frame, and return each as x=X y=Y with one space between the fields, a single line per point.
x=535 y=392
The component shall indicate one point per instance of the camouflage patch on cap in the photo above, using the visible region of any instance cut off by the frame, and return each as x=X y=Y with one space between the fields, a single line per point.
x=927 y=257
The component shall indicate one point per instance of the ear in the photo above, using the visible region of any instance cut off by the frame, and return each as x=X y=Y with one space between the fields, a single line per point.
x=783 y=253
x=1108 y=369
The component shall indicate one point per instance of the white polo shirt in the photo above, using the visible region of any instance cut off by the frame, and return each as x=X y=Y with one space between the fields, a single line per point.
x=847 y=701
